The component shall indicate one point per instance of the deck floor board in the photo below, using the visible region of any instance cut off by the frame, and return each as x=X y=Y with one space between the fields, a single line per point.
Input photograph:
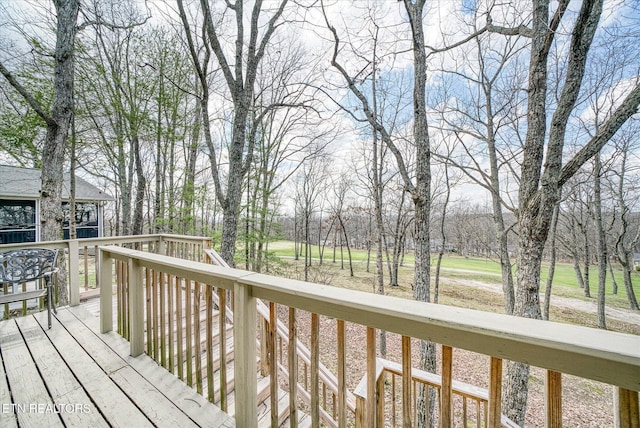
x=198 y=408
x=64 y=388
x=72 y=364
x=26 y=386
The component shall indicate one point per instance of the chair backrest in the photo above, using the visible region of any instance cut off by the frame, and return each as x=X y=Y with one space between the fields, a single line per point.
x=26 y=265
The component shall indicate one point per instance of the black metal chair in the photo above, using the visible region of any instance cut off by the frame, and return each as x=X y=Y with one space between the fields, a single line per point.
x=20 y=266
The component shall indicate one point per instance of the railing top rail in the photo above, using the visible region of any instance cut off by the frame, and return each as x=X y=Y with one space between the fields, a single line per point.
x=600 y=355
x=26 y=245
x=183 y=238
x=107 y=240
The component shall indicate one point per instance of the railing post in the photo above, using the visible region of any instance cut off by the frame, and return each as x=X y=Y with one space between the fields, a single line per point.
x=244 y=339
x=264 y=349
x=74 y=273
x=136 y=312
x=206 y=245
x=342 y=375
x=106 y=292
x=361 y=405
x=161 y=246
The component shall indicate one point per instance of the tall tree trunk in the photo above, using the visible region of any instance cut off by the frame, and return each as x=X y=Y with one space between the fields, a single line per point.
x=614 y=282
x=58 y=121
x=601 y=242
x=552 y=263
x=72 y=181
x=421 y=196
x=587 y=264
x=159 y=176
x=138 y=213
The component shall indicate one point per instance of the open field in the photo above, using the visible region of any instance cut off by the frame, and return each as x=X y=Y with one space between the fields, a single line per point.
x=458 y=275
x=475 y=284
x=478 y=269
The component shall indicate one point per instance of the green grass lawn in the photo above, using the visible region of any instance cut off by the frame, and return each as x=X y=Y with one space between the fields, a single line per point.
x=488 y=270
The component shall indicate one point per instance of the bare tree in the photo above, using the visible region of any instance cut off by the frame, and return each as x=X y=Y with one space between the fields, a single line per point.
x=628 y=234
x=239 y=70
x=310 y=182
x=483 y=111
x=542 y=174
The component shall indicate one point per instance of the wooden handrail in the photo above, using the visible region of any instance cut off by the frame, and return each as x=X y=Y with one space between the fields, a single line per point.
x=461 y=389
x=73 y=246
x=561 y=348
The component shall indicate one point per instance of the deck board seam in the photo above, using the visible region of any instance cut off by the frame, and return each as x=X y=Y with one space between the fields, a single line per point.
x=102 y=337
x=82 y=382
x=79 y=384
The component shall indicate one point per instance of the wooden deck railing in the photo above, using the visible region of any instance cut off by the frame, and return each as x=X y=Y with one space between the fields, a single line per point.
x=83 y=266
x=275 y=339
x=473 y=401
x=612 y=358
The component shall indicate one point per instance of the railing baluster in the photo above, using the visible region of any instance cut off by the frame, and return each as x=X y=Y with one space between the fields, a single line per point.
x=315 y=365
x=163 y=321
x=179 y=329
x=495 y=393
x=85 y=253
x=306 y=375
x=264 y=347
x=209 y=333
x=380 y=398
x=6 y=305
x=553 y=399
x=149 y=317
x=370 y=414
x=74 y=272
x=222 y=328
x=24 y=302
x=155 y=315
x=188 y=320
x=342 y=375
x=406 y=381
x=393 y=399
x=170 y=293
x=446 y=410
x=119 y=302
x=293 y=369
x=464 y=411
x=125 y=299
x=197 y=340
x=273 y=364
x=627 y=409
x=97 y=266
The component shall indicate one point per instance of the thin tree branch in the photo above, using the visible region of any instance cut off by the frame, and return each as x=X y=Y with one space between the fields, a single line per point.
x=35 y=105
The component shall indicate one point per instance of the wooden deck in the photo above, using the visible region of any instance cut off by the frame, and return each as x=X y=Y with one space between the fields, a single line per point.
x=71 y=375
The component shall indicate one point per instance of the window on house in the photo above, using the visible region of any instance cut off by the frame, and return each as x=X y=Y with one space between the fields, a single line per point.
x=17 y=221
